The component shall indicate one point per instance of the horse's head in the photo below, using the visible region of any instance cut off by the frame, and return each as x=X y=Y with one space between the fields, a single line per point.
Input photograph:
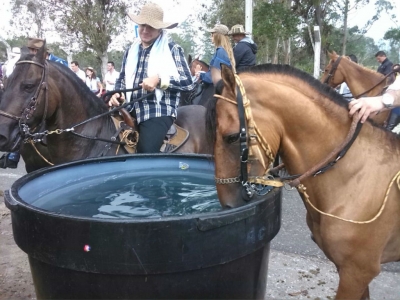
x=333 y=73
x=24 y=98
x=237 y=154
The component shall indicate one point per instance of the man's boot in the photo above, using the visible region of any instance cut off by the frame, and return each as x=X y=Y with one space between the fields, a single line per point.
x=9 y=160
x=393 y=120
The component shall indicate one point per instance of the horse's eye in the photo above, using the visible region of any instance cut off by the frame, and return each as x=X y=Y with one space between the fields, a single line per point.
x=27 y=87
x=230 y=139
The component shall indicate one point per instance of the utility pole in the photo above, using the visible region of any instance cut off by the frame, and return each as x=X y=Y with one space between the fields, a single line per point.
x=249 y=16
x=317 y=51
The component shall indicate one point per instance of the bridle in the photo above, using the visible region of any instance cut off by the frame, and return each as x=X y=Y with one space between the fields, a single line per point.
x=27 y=112
x=332 y=71
x=251 y=135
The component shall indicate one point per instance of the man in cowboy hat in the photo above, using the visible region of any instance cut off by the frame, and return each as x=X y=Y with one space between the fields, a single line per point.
x=155 y=64
x=245 y=49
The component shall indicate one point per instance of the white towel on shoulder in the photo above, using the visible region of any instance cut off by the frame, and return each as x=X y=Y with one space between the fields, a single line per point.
x=160 y=63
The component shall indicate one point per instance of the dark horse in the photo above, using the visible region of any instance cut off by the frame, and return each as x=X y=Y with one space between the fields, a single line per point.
x=43 y=93
x=203 y=91
x=35 y=156
x=347 y=175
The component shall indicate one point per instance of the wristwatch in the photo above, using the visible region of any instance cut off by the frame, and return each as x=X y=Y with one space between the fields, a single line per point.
x=387 y=101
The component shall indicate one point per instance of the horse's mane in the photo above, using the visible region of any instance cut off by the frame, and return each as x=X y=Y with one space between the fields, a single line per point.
x=91 y=100
x=368 y=70
x=325 y=90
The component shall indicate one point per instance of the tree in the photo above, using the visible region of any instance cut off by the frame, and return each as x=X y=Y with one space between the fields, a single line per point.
x=89 y=25
x=186 y=38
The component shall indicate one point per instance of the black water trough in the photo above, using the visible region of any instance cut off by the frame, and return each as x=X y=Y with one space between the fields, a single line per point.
x=220 y=254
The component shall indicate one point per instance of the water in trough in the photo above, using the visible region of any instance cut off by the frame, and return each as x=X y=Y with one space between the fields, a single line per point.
x=134 y=195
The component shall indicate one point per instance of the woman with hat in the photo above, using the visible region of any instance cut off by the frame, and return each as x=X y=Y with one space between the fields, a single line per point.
x=223 y=54
x=93 y=82
x=156 y=64
x=245 y=49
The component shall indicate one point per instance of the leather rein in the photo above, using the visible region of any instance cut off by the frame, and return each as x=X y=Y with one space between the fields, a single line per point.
x=256 y=184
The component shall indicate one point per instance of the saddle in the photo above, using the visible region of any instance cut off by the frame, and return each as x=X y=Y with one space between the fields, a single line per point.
x=127 y=131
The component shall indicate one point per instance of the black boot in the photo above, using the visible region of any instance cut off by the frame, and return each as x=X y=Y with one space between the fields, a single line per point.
x=9 y=160
x=393 y=120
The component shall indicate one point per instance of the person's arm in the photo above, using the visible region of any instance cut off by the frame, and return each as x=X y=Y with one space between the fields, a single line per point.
x=185 y=82
x=372 y=105
x=100 y=88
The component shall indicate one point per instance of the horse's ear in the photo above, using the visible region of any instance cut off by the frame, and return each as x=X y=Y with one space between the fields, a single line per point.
x=24 y=51
x=334 y=53
x=42 y=52
x=228 y=77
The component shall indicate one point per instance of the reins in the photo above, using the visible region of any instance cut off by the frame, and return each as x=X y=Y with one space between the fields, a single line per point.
x=39 y=135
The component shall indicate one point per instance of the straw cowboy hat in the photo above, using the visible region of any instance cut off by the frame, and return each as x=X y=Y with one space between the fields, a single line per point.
x=152 y=15
x=219 y=28
x=238 y=29
x=35 y=43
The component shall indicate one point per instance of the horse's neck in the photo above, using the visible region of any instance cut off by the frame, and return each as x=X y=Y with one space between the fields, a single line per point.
x=303 y=130
x=73 y=109
x=360 y=80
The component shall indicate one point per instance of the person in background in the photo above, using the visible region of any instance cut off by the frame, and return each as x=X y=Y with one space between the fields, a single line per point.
x=92 y=82
x=245 y=49
x=386 y=65
x=9 y=65
x=50 y=56
x=75 y=68
x=223 y=54
x=344 y=89
x=157 y=64
x=111 y=76
x=34 y=44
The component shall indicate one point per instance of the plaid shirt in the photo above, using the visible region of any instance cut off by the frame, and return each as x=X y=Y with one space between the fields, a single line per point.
x=150 y=107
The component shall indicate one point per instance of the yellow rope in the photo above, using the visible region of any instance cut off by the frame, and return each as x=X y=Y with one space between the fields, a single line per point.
x=40 y=154
x=129 y=143
x=302 y=189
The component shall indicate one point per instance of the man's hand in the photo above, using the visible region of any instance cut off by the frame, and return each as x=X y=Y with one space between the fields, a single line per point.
x=150 y=83
x=116 y=99
x=366 y=107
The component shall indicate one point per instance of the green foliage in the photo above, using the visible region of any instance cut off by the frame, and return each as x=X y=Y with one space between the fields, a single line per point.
x=274 y=20
x=393 y=35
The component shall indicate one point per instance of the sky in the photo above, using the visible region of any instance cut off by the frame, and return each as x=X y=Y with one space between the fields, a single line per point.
x=178 y=13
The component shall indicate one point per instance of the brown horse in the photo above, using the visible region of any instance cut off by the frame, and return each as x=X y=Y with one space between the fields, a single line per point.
x=362 y=82
x=353 y=208
x=43 y=93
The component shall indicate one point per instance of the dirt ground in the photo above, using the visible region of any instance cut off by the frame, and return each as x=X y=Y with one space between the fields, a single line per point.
x=15 y=276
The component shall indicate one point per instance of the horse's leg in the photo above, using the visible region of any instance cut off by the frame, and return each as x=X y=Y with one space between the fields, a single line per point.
x=354 y=280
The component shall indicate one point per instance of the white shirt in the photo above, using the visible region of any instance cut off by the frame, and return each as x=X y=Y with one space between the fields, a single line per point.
x=92 y=84
x=81 y=74
x=112 y=77
x=9 y=65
